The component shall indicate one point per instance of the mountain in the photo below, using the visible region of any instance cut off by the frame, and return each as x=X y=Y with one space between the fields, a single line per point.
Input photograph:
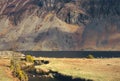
x=59 y=25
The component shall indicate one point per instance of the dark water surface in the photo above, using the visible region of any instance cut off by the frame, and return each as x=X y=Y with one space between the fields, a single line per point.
x=73 y=54
x=41 y=79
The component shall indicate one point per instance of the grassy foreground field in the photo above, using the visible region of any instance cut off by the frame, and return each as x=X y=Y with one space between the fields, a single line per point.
x=5 y=73
x=107 y=69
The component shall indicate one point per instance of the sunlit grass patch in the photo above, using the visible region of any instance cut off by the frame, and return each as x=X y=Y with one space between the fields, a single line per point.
x=95 y=69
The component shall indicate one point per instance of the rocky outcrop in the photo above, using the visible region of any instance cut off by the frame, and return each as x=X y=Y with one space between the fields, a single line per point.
x=10 y=54
x=59 y=25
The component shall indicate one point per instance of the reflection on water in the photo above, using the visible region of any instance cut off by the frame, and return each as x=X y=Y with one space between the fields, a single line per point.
x=41 y=79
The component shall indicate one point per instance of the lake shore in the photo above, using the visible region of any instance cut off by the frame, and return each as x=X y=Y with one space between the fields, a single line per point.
x=107 y=69
x=96 y=69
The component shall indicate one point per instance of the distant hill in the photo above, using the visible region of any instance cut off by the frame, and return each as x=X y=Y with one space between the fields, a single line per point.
x=59 y=25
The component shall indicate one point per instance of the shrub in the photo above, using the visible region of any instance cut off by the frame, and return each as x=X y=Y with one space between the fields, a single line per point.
x=17 y=71
x=25 y=76
x=11 y=67
x=29 y=58
x=22 y=75
x=90 y=56
x=14 y=65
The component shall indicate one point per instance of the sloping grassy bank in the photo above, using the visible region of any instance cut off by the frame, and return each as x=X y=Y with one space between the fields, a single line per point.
x=5 y=72
x=93 y=69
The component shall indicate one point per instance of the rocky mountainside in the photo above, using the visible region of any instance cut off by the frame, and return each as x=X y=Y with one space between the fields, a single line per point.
x=63 y=25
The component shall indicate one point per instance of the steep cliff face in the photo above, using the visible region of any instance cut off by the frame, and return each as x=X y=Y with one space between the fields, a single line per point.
x=59 y=24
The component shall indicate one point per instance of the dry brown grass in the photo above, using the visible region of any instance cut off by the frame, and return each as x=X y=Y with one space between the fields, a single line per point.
x=96 y=69
x=5 y=72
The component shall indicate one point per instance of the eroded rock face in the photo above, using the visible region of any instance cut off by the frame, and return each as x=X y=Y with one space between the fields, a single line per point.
x=59 y=24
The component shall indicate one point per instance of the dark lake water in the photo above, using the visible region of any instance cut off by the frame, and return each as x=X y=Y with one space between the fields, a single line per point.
x=73 y=54
x=41 y=79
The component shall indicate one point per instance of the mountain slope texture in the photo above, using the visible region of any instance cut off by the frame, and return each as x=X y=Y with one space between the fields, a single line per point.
x=59 y=25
